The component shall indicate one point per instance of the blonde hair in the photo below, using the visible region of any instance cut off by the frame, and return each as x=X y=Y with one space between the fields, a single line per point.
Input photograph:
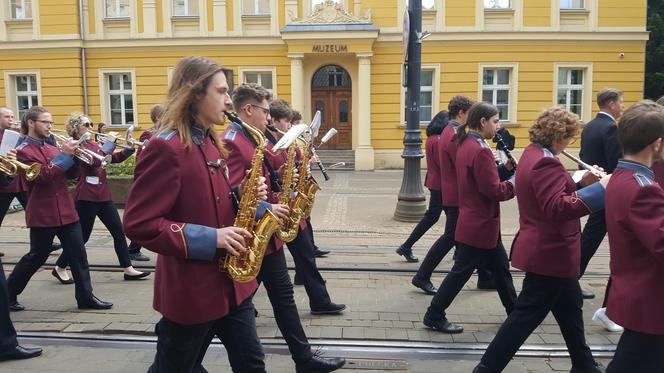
x=191 y=78
x=73 y=123
x=553 y=125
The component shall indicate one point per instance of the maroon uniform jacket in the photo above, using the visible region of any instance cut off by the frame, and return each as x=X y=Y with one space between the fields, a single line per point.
x=635 y=222
x=658 y=169
x=51 y=204
x=177 y=201
x=447 y=149
x=145 y=136
x=480 y=193
x=92 y=184
x=239 y=161
x=15 y=185
x=549 y=238
x=432 y=179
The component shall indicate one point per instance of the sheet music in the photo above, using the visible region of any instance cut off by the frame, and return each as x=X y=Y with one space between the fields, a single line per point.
x=9 y=141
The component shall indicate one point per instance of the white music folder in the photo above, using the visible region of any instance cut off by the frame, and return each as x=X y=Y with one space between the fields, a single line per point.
x=9 y=141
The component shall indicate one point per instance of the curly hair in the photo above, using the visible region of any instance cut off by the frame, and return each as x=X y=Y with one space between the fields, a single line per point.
x=553 y=125
x=73 y=123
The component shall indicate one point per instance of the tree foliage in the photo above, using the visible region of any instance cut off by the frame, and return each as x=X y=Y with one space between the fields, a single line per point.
x=654 y=78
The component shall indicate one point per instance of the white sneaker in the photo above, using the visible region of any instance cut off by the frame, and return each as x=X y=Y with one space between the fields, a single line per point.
x=600 y=318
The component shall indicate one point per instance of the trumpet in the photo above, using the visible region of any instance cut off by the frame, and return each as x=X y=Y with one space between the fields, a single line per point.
x=86 y=156
x=10 y=167
x=592 y=169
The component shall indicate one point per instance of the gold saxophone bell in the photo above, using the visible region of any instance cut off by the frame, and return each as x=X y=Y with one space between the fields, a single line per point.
x=11 y=166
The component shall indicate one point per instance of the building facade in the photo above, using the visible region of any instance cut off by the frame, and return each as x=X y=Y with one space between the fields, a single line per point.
x=114 y=58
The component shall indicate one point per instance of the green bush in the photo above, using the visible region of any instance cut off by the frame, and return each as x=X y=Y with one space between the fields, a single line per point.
x=123 y=169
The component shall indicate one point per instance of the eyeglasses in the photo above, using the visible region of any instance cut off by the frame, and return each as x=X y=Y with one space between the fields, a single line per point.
x=265 y=111
x=45 y=121
x=87 y=124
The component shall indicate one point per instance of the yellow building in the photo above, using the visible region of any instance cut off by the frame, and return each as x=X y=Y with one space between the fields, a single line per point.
x=115 y=57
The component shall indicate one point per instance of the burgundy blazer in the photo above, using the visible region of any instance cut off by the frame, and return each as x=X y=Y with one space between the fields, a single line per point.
x=239 y=161
x=92 y=183
x=432 y=178
x=658 y=169
x=635 y=222
x=51 y=204
x=480 y=193
x=447 y=149
x=175 y=205
x=145 y=136
x=14 y=185
x=549 y=239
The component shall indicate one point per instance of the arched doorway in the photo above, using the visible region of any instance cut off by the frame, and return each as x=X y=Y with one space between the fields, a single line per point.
x=331 y=93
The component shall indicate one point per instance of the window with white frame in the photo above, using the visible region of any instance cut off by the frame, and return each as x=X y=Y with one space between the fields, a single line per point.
x=26 y=92
x=572 y=4
x=117 y=8
x=120 y=99
x=570 y=89
x=256 y=7
x=185 y=8
x=496 y=85
x=21 y=9
x=497 y=4
x=426 y=96
x=428 y=4
x=263 y=78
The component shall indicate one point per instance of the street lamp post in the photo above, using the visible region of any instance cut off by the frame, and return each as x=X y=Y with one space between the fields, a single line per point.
x=411 y=203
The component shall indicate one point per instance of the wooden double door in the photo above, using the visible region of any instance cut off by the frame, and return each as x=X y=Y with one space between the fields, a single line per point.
x=335 y=106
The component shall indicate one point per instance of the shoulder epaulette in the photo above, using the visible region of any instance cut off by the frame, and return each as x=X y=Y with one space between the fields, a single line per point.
x=547 y=153
x=642 y=179
x=166 y=135
x=22 y=145
x=482 y=143
x=230 y=135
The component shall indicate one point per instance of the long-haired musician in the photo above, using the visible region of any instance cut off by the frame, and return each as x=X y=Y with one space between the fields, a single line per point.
x=548 y=246
x=181 y=207
x=93 y=199
x=15 y=188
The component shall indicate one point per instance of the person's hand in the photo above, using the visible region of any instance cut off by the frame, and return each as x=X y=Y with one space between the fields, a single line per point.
x=510 y=165
x=296 y=176
x=233 y=240
x=11 y=154
x=314 y=159
x=281 y=211
x=261 y=191
x=605 y=180
x=69 y=147
x=496 y=156
x=587 y=179
x=111 y=137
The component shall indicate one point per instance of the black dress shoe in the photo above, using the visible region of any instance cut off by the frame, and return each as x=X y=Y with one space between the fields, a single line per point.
x=330 y=309
x=16 y=306
x=20 y=352
x=136 y=277
x=442 y=325
x=320 y=253
x=63 y=282
x=95 y=304
x=138 y=257
x=587 y=294
x=408 y=254
x=318 y=364
x=425 y=285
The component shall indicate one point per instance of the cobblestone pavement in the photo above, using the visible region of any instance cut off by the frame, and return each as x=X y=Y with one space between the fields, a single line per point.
x=353 y=218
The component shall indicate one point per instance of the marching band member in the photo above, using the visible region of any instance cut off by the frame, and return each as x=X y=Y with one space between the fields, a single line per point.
x=477 y=234
x=15 y=189
x=51 y=212
x=635 y=223
x=302 y=247
x=432 y=182
x=251 y=101
x=547 y=246
x=190 y=226
x=93 y=199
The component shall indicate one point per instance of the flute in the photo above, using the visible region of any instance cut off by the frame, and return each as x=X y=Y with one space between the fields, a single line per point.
x=593 y=170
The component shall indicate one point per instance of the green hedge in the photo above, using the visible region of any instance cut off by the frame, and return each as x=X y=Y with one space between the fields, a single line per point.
x=123 y=169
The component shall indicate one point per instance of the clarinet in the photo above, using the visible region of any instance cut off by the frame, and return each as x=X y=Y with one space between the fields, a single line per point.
x=500 y=145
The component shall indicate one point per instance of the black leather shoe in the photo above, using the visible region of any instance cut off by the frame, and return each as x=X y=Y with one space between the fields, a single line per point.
x=20 y=352
x=587 y=294
x=63 y=282
x=442 y=325
x=321 y=253
x=425 y=285
x=95 y=304
x=318 y=364
x=16 y=306
x=408 y=254
x=330 y=309
x=138 y=257
x=136 y=277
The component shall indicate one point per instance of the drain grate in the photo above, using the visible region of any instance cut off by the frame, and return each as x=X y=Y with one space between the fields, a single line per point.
x=371 y=364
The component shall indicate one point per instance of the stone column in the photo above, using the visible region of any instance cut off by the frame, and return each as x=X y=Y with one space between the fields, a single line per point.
x=364 y=152
x=297 y=81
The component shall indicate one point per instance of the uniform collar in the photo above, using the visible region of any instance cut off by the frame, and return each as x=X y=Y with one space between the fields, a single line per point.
x=636 y=167
x=454 y=123
x=476 y=135
x=33 y=141
x=607 y=114
x=544 y=148
x=198 y=135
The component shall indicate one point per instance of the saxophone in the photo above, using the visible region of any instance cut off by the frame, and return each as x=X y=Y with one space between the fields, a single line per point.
x=307 y=185
x=295 y=203
x=245 y=267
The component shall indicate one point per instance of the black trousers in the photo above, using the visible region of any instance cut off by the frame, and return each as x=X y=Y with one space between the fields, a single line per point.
x=88 y=211
x=6 y=200
x=302 y=249
x=7 y=332
x=430 y=218
x=310 y=229
x=638 y=353
x=134 y=248
x=591 y=237
x=41 y=240
x=274 y=275
x=181 y=348
x=541 y=294
x=467 y=259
